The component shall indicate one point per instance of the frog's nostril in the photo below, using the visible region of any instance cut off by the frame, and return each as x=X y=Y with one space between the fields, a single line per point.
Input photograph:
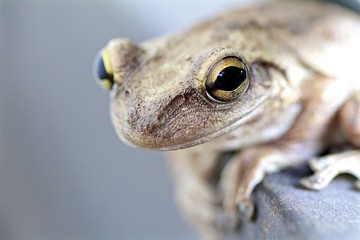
x=102 y=70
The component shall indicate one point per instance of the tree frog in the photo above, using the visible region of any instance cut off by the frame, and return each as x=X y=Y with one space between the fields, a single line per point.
x=275 y=84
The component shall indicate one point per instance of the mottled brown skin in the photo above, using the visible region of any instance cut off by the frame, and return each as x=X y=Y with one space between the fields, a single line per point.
x=302 y=64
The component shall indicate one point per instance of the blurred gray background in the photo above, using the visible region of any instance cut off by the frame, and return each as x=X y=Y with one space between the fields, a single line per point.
x=64 y=174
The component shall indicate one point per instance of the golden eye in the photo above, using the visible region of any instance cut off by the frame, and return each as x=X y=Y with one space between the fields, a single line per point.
x=227 y=79
x=103 y=71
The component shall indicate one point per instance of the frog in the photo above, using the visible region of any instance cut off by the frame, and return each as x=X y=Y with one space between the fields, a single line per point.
x=274 y=84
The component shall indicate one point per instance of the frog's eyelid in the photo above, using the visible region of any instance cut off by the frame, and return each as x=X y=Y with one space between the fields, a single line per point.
x=107 y=63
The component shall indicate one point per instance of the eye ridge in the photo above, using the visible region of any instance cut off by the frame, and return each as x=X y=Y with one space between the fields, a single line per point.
x=230 y=78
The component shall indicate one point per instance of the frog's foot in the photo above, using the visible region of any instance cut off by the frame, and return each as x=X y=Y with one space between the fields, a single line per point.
x=328 y=167
x=242 y=174
x=200 y=206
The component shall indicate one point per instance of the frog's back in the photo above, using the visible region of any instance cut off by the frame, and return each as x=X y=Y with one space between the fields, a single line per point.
x=325 y=36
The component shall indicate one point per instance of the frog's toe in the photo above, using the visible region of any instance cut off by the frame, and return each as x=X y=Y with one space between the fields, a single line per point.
x=246 y=209
x=314 y=182
x=320 y=163
x=328 y=167
x=357 y=185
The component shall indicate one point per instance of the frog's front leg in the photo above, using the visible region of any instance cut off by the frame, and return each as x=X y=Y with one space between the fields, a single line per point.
x=193 y=171
x=308 y=136
x=328 y=167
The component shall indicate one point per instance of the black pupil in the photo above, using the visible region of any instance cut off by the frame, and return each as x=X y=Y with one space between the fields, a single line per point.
x=101 y=71
x=230 y=78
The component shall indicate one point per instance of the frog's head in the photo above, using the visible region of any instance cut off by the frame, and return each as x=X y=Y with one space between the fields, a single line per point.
x=177 y=92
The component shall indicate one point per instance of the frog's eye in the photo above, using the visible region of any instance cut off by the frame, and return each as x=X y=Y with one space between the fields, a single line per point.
x=227 y=79
x=103 y=71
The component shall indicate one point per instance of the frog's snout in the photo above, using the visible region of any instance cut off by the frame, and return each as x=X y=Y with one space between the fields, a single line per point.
x=102 y=70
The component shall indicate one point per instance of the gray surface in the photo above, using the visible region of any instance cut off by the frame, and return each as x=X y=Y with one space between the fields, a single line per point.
x=286 y=211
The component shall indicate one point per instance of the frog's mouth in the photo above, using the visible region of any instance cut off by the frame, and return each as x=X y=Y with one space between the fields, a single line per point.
x=218 y=133
x=161 y=143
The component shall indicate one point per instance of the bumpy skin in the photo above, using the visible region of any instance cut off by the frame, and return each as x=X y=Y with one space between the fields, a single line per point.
x=302 y=64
